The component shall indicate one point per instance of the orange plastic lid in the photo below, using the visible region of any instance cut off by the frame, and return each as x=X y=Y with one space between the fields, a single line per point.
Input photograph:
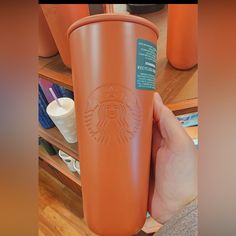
x=112 y=17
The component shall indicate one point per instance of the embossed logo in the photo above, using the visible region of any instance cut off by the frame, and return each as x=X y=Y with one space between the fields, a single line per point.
x=112 y=114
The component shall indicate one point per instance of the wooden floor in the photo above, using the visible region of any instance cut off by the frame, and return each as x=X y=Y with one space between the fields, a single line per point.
x=60 y=209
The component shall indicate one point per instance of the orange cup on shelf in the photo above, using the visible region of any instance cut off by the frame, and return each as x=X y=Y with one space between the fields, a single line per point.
x=114 y=69
x=59 y=18
x=46 y=43
x=182 y=51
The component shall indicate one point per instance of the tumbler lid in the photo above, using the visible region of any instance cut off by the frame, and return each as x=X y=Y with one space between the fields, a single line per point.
x=112 y=17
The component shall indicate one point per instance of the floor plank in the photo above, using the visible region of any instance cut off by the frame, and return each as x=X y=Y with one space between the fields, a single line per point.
x=60 y=209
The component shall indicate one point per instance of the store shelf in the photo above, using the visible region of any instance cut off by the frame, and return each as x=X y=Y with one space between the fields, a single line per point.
x=54 y=70
x=184 y=107
x=56 y=162
x=54 y=137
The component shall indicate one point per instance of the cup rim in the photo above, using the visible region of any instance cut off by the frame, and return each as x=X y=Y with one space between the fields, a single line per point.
x=53 y=102
x=112 y=17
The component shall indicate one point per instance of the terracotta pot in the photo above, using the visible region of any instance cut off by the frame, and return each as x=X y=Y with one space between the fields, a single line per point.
x=114 y=111
x=59 y=18
x=182 y=35
x=46 y=43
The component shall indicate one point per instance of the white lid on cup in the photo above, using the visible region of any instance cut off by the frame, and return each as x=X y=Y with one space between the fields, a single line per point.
x=54 y=110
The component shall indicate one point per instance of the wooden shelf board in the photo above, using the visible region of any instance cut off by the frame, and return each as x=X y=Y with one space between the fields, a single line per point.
x=43 y=61
x=54 y=137
x=58 y=164
x=55 y=71
x=184 y=107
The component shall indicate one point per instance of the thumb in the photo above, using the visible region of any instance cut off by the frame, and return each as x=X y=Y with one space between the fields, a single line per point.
x=170 y=128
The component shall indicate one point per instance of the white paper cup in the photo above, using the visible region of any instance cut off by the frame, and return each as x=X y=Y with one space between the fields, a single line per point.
x=64 y=118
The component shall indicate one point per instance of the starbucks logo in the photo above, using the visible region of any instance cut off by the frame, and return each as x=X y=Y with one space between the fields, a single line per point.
x=112 y=114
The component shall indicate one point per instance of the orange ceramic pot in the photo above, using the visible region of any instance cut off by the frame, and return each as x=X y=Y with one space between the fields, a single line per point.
x=59 y=18
x=46 y=43
x=182 y=35
x=113 y=67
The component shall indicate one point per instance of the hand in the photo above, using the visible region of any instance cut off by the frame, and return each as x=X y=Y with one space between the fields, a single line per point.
x=173 y=180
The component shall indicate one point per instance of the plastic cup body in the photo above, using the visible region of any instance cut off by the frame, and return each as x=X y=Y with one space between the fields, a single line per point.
x=64 y=121
x=114 y=120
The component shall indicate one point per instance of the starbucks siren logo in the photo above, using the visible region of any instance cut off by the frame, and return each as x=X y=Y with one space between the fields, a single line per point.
x=112 y=114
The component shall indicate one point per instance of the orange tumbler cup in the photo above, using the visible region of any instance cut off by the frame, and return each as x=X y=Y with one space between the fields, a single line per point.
x=182 y=35
x=114 y=69
x=59 y=18
x=46 y=43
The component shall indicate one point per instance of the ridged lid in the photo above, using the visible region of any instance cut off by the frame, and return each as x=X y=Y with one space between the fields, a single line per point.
x=112 y=17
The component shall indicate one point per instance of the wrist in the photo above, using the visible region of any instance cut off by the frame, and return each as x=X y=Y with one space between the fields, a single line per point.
x=162 y=211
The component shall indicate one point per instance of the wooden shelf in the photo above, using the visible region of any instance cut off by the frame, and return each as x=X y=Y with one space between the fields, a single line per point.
x=56 y=162
x=54 y=137
x=55 y=71
x=184 y=107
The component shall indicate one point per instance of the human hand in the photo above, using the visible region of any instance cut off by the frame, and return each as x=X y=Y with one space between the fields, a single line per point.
x=173 y=179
